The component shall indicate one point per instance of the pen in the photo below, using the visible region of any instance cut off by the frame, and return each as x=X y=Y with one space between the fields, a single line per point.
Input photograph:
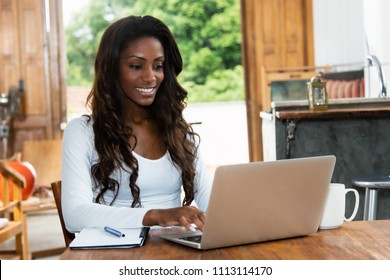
x=114 y=232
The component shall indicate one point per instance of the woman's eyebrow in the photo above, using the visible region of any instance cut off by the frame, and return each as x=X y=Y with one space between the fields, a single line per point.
x=136 y=56
x=143 y=58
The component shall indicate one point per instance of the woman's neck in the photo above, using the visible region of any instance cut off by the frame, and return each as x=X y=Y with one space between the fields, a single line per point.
x=136 y=114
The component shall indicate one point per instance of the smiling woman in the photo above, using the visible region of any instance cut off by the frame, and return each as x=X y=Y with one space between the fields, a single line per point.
x=126 y=164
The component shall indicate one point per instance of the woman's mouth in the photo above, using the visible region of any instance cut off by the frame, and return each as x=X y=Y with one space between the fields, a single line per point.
x=146 y=91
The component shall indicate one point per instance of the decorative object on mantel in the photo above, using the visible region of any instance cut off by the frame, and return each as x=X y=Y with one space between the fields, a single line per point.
x=318 y=99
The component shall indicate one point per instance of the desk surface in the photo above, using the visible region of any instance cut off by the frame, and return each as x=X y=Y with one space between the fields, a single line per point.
x=357 y=240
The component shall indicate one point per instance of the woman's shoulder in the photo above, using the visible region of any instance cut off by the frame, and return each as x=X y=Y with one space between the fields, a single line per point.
x=81 y=124
x=84 y=120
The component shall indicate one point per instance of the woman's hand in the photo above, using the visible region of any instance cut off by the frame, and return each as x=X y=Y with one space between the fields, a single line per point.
x=180 y=216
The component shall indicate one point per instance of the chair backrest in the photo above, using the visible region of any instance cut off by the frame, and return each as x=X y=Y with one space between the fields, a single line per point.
x=11 y=187
x=46 y=158
x=56 y=188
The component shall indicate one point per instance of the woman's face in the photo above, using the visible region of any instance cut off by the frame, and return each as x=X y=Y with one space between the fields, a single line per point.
x=141 y=70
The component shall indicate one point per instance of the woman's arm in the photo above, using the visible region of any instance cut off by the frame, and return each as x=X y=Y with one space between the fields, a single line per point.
x=78 y=207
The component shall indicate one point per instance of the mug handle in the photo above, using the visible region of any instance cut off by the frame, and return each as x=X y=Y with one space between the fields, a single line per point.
x=356 y=204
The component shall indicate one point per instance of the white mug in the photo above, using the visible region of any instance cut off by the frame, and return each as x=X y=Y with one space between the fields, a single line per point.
x=334 y=211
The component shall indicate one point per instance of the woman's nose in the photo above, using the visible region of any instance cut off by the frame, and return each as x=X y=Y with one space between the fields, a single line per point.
x=148 y=74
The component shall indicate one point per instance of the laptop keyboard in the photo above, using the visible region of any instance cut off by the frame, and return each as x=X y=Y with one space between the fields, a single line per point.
x=195 y=239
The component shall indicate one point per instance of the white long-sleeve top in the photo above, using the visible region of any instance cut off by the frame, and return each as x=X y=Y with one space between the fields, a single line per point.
x=159 y=182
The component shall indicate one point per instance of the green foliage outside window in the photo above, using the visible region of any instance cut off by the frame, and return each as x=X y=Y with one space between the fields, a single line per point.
x=208 y=33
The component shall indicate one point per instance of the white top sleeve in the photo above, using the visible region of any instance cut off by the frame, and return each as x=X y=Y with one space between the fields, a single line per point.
x=159 y=182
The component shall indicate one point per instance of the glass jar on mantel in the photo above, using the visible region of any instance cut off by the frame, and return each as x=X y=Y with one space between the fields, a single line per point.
x=318 y=99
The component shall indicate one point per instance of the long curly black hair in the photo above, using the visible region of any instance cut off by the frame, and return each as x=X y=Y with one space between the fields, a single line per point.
x=112 y=135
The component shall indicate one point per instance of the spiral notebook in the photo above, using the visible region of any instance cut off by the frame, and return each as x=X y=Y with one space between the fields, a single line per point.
x=98 y=238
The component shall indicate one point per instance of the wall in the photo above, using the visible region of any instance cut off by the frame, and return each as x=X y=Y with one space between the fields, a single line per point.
x=338 y=33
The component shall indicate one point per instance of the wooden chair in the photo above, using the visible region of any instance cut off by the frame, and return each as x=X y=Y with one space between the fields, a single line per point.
x=46 y=158
x=56 y=188
x=11 y=208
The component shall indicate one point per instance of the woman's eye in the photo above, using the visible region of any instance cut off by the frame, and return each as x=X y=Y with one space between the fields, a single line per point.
x=158 y=67
x=135 y=66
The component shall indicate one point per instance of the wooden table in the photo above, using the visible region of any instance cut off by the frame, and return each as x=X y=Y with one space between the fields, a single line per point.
x=357 y=240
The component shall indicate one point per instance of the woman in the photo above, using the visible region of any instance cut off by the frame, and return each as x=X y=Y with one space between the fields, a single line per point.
x=124 y=165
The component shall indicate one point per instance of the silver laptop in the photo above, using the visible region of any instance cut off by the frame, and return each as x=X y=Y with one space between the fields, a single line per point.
x=262 y=201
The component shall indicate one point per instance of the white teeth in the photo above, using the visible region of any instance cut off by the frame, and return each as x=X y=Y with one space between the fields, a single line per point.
x=146 y=90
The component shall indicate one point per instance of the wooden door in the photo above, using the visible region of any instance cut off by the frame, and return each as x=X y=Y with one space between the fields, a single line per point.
x=276 y=34
x=31 y=60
